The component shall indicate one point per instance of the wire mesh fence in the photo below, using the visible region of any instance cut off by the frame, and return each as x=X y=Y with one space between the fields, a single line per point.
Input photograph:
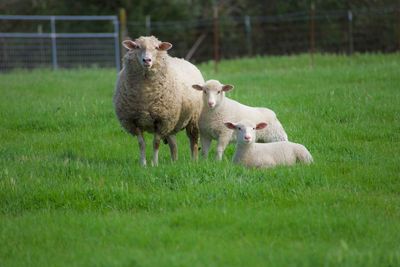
x=339 y=31
x=58 y=42
x=72 y=41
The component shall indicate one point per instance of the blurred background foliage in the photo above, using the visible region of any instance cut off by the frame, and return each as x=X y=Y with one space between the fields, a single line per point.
x=180 y=9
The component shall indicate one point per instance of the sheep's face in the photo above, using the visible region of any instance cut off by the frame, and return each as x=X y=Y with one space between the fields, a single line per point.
x=245 y=131
x=213 y=92
x=146 y=49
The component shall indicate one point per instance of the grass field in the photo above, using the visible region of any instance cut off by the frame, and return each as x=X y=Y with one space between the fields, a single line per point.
x=72 y=192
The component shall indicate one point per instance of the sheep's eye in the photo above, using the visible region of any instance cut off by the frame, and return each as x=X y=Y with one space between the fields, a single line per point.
x=239 y=128
x=254 y=128
x=204 y=92
x=219 y=92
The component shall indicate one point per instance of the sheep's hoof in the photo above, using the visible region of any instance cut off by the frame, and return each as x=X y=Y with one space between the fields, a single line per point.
x=154 y=164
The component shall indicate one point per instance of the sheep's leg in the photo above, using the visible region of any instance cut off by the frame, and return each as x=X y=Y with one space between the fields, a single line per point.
x=193 y=134
x=156 y=147
x=221 y=145
x=171 y=139
x=142 y=146
x=205 y=145
x=194 y=148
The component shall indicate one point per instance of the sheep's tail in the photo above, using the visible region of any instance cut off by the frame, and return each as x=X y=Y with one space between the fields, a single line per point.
x=303 y=155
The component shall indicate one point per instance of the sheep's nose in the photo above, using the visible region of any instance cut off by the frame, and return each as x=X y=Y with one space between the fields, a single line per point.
x=211 y=104
x=146 y=60
x=247 y=137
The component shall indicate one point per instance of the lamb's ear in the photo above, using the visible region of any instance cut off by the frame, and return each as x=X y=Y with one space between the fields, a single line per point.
x=261 y=125
x=164 y=46
x=227 y=87
x=230 y=125
x=197 y=87
x=130 y=45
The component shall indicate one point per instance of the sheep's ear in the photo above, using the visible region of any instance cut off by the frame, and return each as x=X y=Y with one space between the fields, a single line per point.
x=197 y=87
x=227 y=87
x=130 y=45
x=230 y=125
x=164 y=46
x=261 y=125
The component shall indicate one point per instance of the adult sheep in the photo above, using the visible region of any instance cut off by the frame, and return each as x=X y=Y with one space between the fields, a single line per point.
x=154 y=94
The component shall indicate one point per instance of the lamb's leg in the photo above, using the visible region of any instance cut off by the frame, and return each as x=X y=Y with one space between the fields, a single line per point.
x=171 y=139
x=193 y=134
x=142 y=146
x=223 y=141
x=156 y=147
x=205 y=145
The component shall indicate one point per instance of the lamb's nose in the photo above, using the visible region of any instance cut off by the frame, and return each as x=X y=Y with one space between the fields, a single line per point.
x=146 y=60
x=211 y=104
x=247 y=137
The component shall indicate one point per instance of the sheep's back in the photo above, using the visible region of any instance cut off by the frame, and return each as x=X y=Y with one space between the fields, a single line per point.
x=185 y=75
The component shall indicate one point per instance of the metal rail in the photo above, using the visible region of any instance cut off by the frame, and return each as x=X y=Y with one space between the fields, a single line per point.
x=54 y=35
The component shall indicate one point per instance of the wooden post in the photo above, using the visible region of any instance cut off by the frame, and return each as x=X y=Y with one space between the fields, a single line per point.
x=148 y=25
x=249 y=45
x=350 y=33
x=312 y=33
x=42 y=55
x=53 y=42
x=216 y=37
x=195 y=46
x=123 y=30
x=398 y=28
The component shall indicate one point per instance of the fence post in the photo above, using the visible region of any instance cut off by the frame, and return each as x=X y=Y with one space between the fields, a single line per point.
x=53 y=42
x=350 y=32
x=123 y=30
x=148 y=25
x=249 y=45
x=398 y=27
x=42 y=54
x=195 y=46
x=216 y=37
x=116 y=44
x=312 y=33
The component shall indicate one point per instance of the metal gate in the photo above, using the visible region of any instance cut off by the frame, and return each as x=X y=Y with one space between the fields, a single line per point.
x=48 y=47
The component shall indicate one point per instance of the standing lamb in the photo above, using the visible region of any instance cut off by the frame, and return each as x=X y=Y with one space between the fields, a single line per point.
x=153 y=94
x=251 y=154
x=218 y=109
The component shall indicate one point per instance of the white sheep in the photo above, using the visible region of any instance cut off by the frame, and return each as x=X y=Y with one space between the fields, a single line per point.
x=251 y=154
x=153 y=94
x=217 y=109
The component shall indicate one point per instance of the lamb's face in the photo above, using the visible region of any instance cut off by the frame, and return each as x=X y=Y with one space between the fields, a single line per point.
x=146 y=49
x=213 y=92
x=245 y=131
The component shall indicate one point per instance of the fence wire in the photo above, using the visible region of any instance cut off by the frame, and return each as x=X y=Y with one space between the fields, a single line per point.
x=59 y=42
x=338 y=31
x=93 y=41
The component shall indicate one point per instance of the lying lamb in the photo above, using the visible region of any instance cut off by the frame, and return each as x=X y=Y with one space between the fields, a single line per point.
x=154 y=94
x=217 y=109
x=251 y=154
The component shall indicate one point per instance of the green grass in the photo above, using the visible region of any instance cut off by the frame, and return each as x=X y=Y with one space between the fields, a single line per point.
x=72 y=192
